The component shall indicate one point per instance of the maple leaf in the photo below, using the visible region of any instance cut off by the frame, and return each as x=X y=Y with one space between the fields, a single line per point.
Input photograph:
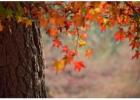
x=65 y=48
x=78 y=20
x=89 y=16
x=135 y=44
x=89 y=53
x=53 y=32
x=60 y=21
x=43 y=21
x=19 y=19
x=103 y=28
x=70 y=55
x=60 y=65
x=28 y=22
x=1 y=27
x=78 y=65
x=52 y=20
x=57 y=43
x=68 y=24
x=81 y=43
x=119 y=36
x=130 y=36
x=83 y=35
x=136 y=55
x=25 y=20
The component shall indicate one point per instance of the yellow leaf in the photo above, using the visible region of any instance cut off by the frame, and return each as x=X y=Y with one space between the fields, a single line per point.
x=97 y=10
x=82 y=42
x=28 y=22
x=105 y=20
x=60 y=65
x=19 y=19
x=24 y=20
x=92 y=11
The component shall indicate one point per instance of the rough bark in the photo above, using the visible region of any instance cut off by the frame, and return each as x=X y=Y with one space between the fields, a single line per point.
x=21 y=63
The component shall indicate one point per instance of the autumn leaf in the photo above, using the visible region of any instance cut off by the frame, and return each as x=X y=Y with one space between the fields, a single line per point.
x=19 y=19
x=89 y=53
x=52 y=20
x=78 y=65
x=119 y=36
x=65 y=48
x=24 y=20
x=28 y=22
x=68 y=24
x=60 y=65
x=130 y=36
x=53 y=32
x=135 y=44
x=78 y=20
x=89 y=16
x=103 y=28
x=43 y=21
x=81 y=43
x=136 y=55
x=57 y=43
x=1 y=27
x=60 y=21
x=70 y=55
x=83 y=36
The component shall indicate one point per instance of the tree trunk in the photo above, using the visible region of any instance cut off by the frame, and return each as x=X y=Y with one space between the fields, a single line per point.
x=21 y=63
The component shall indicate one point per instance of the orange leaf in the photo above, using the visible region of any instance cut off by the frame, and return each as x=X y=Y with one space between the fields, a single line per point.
x=53 y=32
x=89 y=53
x=83 y=35
x=78 y=20
x=52 y=21
x=43 y=21
x=60 y=21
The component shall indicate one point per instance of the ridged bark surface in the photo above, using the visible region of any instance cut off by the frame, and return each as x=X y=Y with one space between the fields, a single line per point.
x=21 y=63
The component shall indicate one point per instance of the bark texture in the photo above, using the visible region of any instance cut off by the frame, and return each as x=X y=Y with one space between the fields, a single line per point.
x=21 y=63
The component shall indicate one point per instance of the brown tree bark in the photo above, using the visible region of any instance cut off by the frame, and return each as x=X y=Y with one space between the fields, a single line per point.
x=21 y=63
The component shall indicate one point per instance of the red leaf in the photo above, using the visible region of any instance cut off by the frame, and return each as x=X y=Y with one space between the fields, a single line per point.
x=136 y=55
x=65 y=48
x=130 y=36
x=135 y=44
x=103 y=28
x=70 y=55
x=57 y=43
x=78 y=65
x=68 y=24
x=119 y=36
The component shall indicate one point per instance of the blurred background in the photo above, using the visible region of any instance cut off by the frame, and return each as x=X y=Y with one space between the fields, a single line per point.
x=110 y=72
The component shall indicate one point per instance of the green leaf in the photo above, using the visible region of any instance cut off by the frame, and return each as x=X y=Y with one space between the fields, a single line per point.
x=19 y=11
x=9 y=12
x=2 y=10
x=5 y=12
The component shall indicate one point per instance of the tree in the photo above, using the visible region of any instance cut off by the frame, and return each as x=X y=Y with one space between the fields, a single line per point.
x=21 y=63
x=21 y=57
